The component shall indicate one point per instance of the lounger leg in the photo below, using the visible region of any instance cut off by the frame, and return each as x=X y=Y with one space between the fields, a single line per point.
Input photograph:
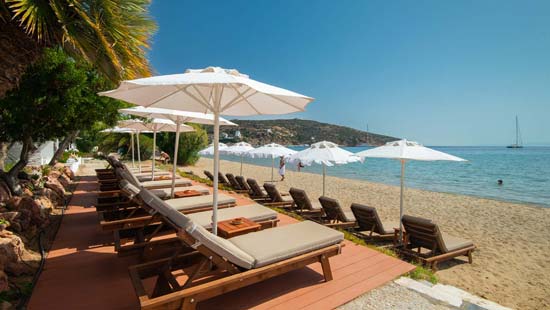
x=188 y=304
x=327 y=272
x=470 y=260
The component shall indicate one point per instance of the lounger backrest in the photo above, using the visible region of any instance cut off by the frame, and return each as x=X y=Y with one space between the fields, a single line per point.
x=367 y=218
x=126 y=175
x=332 y=209
x=300 y=198
x=209 y=175
x=232 y=181
x=111 y=159
x=242 y=183
x=221 y=178
x=273 y=192
x=220 y=246
x=422 y=232
x=129 y=189
x=255 y=189
x=154 y=205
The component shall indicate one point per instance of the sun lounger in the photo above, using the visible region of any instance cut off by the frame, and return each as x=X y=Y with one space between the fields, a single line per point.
x=275 y=198
x=209 y=175
x=123 y=174
x=240 y=261
x=222 y=179
x=242 y=183
x=142 y=243
x=304 y=206
x=234 y=184
x=421 y=233
x=335 y=216
x=369 y=223
x=256 y=192
x=134 y=216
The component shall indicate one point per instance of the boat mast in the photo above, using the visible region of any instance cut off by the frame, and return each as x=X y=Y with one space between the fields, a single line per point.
x=517 y=132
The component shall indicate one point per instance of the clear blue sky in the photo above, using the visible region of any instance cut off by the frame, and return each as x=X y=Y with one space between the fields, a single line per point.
x=439 y=72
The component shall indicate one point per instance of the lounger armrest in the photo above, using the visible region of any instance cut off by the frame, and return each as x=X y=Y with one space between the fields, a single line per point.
x=341 y=225
x=279 y=204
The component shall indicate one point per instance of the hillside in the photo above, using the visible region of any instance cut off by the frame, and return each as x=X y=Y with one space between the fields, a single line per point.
x=298 y=132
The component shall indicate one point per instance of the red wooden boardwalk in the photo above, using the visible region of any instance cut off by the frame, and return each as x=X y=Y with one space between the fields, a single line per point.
x=82 y=271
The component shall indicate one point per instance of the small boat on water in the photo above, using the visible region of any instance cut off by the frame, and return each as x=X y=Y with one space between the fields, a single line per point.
x=519 y=142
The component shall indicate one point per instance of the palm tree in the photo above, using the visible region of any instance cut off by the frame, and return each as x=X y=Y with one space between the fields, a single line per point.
x=112 y=34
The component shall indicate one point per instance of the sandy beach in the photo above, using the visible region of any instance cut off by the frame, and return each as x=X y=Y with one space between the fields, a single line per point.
x=512 y=263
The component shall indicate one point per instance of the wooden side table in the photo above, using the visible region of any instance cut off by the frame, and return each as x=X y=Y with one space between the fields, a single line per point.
x=187 y=193
x=227 y=229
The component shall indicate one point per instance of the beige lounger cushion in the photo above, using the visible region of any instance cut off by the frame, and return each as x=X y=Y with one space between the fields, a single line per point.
x=348 y=216
x=389 y=227
x=221 y=246
x=167 y=183
x=164 y=193
x=253 y=212
x=453 y=243
x=148 y=174
x=189 y=203
x=277 y=244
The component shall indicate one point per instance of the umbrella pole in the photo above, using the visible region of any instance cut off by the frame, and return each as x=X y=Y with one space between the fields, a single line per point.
x=324 y=173
x=132 y=147
x=216 y=171
x=138 y=151
x=401 y=201
x=241 y=164
x=154 y=151
x=175 y=160
x=272 y=167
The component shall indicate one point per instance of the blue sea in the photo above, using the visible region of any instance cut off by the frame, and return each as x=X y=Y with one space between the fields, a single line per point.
x=525 y=172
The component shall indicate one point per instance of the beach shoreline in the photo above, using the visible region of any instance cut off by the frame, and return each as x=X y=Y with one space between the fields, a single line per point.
x=512 y=261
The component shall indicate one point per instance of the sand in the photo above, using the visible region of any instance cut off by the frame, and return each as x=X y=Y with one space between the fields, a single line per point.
x=512 y=263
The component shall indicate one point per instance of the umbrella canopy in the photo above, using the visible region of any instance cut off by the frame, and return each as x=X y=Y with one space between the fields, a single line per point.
x=179 y=117
x=271 y=150
x=215 y=90
x=239 y=149
x=324 y=153
x=404 y=151
x=210 y=149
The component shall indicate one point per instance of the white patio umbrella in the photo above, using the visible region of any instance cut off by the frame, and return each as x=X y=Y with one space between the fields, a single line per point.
x=238 y=149
x=404 y=151
x=271 y=150
x=324 y=153
x=117 y=129
x=138 y=127
x=215 y=90
x=179 y=118
x=210 y=149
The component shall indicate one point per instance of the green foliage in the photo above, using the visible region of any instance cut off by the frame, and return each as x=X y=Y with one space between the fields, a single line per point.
x=121 y=143
x=56 y=95
x=67 y=154
x=422 y=273
x=189 y=146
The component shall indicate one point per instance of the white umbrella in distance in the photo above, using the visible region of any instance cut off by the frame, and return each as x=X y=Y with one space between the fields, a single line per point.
x=324 y=153
x=138 y=127
x=211 y=90
x=117 y=129
x=210 y=149
x=239 y=149
x=271 y=150
x=179 y=117
x=404 y=151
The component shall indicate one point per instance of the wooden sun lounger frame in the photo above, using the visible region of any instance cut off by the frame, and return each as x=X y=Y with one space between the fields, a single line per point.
x=431 y=258
x=334 y=222
x=169 y=294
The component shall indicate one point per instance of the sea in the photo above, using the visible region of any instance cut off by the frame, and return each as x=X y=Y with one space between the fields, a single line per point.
x=525 y=172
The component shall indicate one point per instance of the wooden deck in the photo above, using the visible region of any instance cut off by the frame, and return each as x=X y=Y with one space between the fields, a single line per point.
x=82 y=271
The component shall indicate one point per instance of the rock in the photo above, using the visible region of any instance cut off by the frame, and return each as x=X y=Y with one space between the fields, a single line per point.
x=5 y=193
x=5 y=305
x=68 y=172
x=65 y=181
x=54 y=174
x=46 y=206
x=51 y=195
x=30 y=214
x=27 y=193
x=53 y=183
x=13 y=255
x=13 y=203
x=4 y=284
x=59 y=166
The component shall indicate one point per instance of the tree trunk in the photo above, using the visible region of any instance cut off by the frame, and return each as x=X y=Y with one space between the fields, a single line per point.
x=11 y=177
x=63 y=146
x=4 y=148
x=17 y=52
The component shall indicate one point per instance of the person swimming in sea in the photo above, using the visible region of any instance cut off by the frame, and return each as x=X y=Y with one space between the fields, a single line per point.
x=500 y=182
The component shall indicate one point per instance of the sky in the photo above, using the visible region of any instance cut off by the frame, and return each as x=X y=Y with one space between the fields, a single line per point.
x=437 y=72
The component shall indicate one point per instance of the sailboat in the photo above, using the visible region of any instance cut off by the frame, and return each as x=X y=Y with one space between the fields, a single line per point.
x=519 y=143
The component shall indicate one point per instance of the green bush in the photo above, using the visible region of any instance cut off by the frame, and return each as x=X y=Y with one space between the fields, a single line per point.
x=189 y=146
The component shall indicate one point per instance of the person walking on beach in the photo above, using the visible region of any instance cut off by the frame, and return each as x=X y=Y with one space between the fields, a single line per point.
x=282 y=168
